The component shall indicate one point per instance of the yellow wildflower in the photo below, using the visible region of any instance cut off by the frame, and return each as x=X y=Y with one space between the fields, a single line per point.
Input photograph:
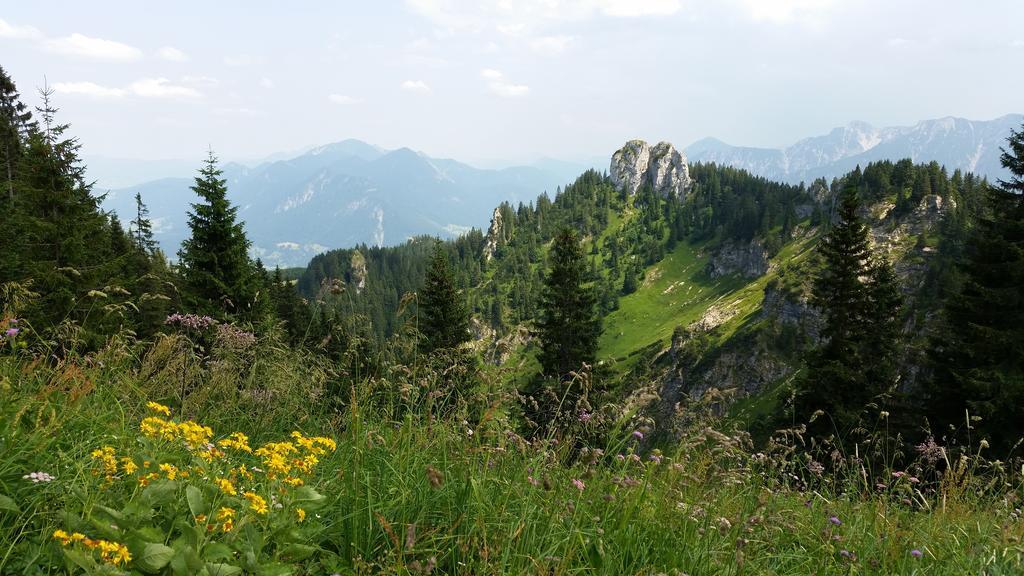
x=226 y=486
x=153 y=427
x=62 y=536
x=145 y=479
x=226 y=516
x=256 y=503
x=158 y=408
x=107 y=460
x=128 y=465
x=237 y=441
x=194 y=434
x=300 y=514
x=170 y=470
x=293 y=481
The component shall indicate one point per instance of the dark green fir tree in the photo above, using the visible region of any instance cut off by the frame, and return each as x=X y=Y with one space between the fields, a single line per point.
x=977 y=354
x=568 y=327
x=444 y=320
x=219 y=276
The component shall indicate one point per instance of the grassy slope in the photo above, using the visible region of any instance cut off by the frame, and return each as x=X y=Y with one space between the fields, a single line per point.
x=699 y=511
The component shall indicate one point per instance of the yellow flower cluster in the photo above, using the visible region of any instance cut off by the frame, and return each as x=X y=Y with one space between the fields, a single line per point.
x=282 y=458
x=226 y=486
x=107 y=460
x=300 y=514
x=226 y=516
x=256 y=503
x=158 y=408
x=110 y=552
x=193 y=434
x=237 y=441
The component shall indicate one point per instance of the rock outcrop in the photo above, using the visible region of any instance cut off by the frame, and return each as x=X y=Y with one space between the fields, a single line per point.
x=750 y=260
x=495 y=233
x=662 y=167
x=358 y=271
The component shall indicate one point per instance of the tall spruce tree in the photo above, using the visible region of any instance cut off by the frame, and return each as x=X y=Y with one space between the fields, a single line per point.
x=142 y=227
x=977 y=354
x=219 y=275
x=568 y=327
x=444 y=320
x=15 y=126
x=858 y=293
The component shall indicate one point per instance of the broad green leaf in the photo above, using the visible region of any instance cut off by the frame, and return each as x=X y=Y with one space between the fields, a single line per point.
x=153 y=557
x=275 y=569
x=196 y=502
x=80 y=559
x=7 y=504
x=308 y=498
x=217 y=551
x=222 y=569
x=296 y=552
x=159 y=493
x=186 y=562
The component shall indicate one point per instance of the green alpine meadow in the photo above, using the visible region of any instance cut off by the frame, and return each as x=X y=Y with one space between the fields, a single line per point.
x=225 y=351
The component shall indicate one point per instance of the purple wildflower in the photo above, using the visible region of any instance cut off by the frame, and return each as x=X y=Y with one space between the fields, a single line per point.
x=585 y=417
x=578 y=484
x=638 y=435
x=835 y=520
x=916 y=553
x=11 y=332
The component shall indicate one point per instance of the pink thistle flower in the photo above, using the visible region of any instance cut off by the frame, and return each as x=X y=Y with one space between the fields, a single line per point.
x=578 y=484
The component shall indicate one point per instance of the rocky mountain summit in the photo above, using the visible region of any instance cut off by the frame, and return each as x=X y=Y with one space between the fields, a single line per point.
x=662 y=167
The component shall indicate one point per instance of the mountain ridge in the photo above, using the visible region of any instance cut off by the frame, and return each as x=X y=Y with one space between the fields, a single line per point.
x=954 y=142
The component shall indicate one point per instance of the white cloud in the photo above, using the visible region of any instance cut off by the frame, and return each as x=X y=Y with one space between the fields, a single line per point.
x=498 y=84
x=81 y=46
x=896 y=42
x=12 y=31
x=418 y=86
x=171 y=54
x=804 y=12
x=246 y=112
x=88 y=89
x=637 y=8
x=199 y=80
x=162 y=88
x=1017 y=44
x=266 y=83
x=550 y=45
x=342 y=99
x=239 y=60
x=516 y=18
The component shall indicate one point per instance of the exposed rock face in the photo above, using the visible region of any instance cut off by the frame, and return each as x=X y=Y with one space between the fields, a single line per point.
x=359 y=272
x=494 y=234
x=794 y=310
x=749 y=260
x=662 y=167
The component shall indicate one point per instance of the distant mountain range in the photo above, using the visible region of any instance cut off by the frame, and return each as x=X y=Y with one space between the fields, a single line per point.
x=343 y=194
x=954 y=142
x=351 y=192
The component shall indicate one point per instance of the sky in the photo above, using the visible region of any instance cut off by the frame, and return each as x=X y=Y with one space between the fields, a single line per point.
x=504 y=80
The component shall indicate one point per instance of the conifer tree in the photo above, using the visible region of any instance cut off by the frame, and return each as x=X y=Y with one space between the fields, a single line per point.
x=568 y=328
x=859 y=296
x=215 y=263
x=977 y=355
x=444 y=320
x=15 y=125
x=142 y=227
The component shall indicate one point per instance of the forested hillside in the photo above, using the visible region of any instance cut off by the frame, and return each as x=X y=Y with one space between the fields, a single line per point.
x=662 y=367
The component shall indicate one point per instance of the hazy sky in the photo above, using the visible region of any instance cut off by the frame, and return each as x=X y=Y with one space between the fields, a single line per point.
x=505 y=79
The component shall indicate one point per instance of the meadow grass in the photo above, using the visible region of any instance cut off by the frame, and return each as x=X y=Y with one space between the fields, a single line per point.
x=409 y=490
